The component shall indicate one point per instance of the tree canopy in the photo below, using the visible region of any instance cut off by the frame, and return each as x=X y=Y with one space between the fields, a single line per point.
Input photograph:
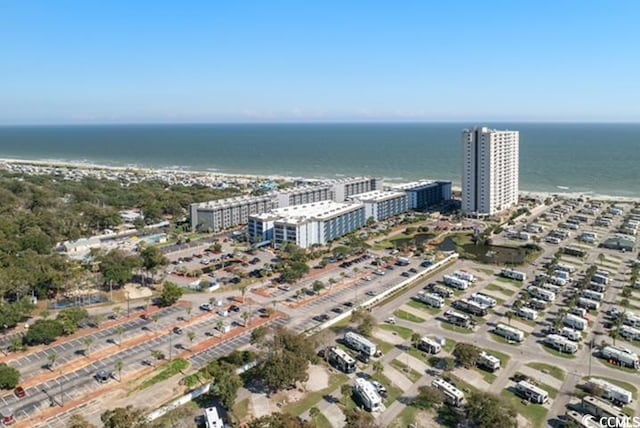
x=488 y=410
x=120 y=417
x=171 y=293
x=9 y=377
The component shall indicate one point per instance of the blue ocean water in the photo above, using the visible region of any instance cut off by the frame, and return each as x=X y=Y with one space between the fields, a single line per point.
x=595 y=158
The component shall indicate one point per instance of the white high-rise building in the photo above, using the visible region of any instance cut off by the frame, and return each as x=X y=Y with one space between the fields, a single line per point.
x=490 y=170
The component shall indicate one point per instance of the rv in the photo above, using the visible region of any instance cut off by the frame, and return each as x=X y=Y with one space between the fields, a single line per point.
x=360 y=343
x=339 y=359
x=471 y=307
x=488 y=362
x=534 y=228
x=455 y=282
x=483 y=299
x=610 y=391
x=539 y=293
x=513 y=274
x=537 y=304
x=402 y=261
x=212 y=419
x=630 y=333
x=593 y=295
x=531 y=392
x=566 y=267
x=600 y=288
x=453 y=395
x=550 y=287
x=576 y=322
x=527 y=313
x=463 y=274
x=621 y=356
x=571 y=334
x=579 y=420
x=560 y=343
x=589 y=304
x=430 y=299
x=441 y=291
x=429 y=345
x=367 y=395
x=580 y=312
x=602 y=409
x=457 y=318
x=509 y=333
x=574 y=251
x=600 y=279
x=631 y=319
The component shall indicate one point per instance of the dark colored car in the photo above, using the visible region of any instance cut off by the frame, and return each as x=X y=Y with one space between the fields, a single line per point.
x=177 y=330
x=337 y=310
x=20 y=392
x=234 y=308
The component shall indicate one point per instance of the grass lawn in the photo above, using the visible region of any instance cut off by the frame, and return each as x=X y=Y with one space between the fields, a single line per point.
x=457 y=329
x=504 y=358
x=321 y=421
x=382 y=345
x=554 y=371
x=558 y=353
x=487 y=376
x=241 y=409
x=449 y=345
x=340 y=325
x=403 y=332
x=487 y=271
x=629 y=387
x=423 y=307
x=410 y=373
x=171 y=369
x=510 y=281
x=313 y=398
x=535 y=413
x=393 y=392
x=408 y=316
x=407 y=417
x=502 y=290
x=414 y=352
x=461 y=384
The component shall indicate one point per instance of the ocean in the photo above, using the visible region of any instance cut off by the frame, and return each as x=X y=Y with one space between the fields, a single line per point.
x=587 y=158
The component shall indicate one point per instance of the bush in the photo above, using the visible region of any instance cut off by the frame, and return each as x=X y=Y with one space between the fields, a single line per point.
x=43 y=332
x=9 y=377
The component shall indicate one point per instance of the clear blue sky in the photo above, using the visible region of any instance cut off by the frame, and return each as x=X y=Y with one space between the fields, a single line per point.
x=88 y=61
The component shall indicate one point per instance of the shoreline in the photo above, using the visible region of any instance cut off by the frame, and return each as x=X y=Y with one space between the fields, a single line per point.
x=45 y=163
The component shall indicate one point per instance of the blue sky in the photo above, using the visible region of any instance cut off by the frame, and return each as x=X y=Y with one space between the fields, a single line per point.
x=229 y=61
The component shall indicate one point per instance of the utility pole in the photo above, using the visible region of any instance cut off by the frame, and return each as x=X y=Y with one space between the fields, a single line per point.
x=128 y=305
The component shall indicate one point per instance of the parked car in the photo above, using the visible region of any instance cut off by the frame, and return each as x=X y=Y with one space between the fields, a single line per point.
x=234 y=308
x=337 y=310
x=177 y=330
x=206 y=307
x=102 y=376
x=390 y=320
x=20 y=392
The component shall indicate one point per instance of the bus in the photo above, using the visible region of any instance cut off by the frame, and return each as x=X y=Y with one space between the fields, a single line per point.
x=339 y=359
x=531 y=392
x=452 y=395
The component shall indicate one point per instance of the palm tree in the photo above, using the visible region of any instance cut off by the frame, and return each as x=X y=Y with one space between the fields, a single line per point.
x=147 y=301
x=117 y=311
x=415 y=338
x=346 y=391
x=87 y=341
x=614 y=333
x=156 y=354
x=97 y=320
x=509 y=315
x=120 y=331
x=243 y=291
x=188 y=310
x=191 y=335
x=119 y=366
x=220 y=325
x=52 y=360
x=155 y=317
x=245 y=317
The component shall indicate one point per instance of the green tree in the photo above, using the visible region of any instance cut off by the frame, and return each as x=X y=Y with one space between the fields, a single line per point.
x=79 y=421
x=355 y=419
x=314 y=412
x=120 y=331
x=317 y=286
x=188 y=310
x=43 y=332
x=278 y=420
x=87 y=342
x=245 y=317
x=415 y=339
x=171 y=293
x=346 y=390
x=120 y=417
x=428 y=397
x=487 y=410
x=466 y=354
x=258 y=335
x=378 y=367
x=9 y=377
x=117 y=267
x=243 y=292
x=191 y=335
x=52 y=358
x=226 y=382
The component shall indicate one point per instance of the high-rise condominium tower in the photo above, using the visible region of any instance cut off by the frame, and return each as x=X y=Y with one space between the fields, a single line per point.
x=489 y=170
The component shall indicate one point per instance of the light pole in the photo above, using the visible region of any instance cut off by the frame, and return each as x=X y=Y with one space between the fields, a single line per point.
x=170 y=344
x=590 y=354
x=128 y=305
x=61 y=395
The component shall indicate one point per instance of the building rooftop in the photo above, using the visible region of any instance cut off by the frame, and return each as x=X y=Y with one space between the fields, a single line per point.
x=377 y=195
x=302 y=189
x=415 y=184
x=231 y=202
x=299 y=214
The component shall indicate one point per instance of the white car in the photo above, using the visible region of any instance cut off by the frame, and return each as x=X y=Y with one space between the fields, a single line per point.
x=285 y=288
x=206 y=307
x=379 y=387
x=390 y=320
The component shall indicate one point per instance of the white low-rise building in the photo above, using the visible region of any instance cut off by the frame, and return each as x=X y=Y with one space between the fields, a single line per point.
x=381 y=204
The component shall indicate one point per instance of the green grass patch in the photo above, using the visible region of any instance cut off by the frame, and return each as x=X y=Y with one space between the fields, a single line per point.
x=337 y=327
x=171 y=369
x=461 y=384
x=403 y=332
x=554 y=371
x=393 y=392
x=502 y=290
x=558 y=353
x=535 y=413
x=414 y=352
x=622 y=384
x=509 y=281
x=410 y=373
x=487 y=271
x=487 y=376
x=407 y=417
x=321 y=421
x=382 y=345
x=455 y=328
x=408 y=316
x=313 y=398
x=504 y=358
x=423 y=307
x=241 y=409
x=449 y=345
